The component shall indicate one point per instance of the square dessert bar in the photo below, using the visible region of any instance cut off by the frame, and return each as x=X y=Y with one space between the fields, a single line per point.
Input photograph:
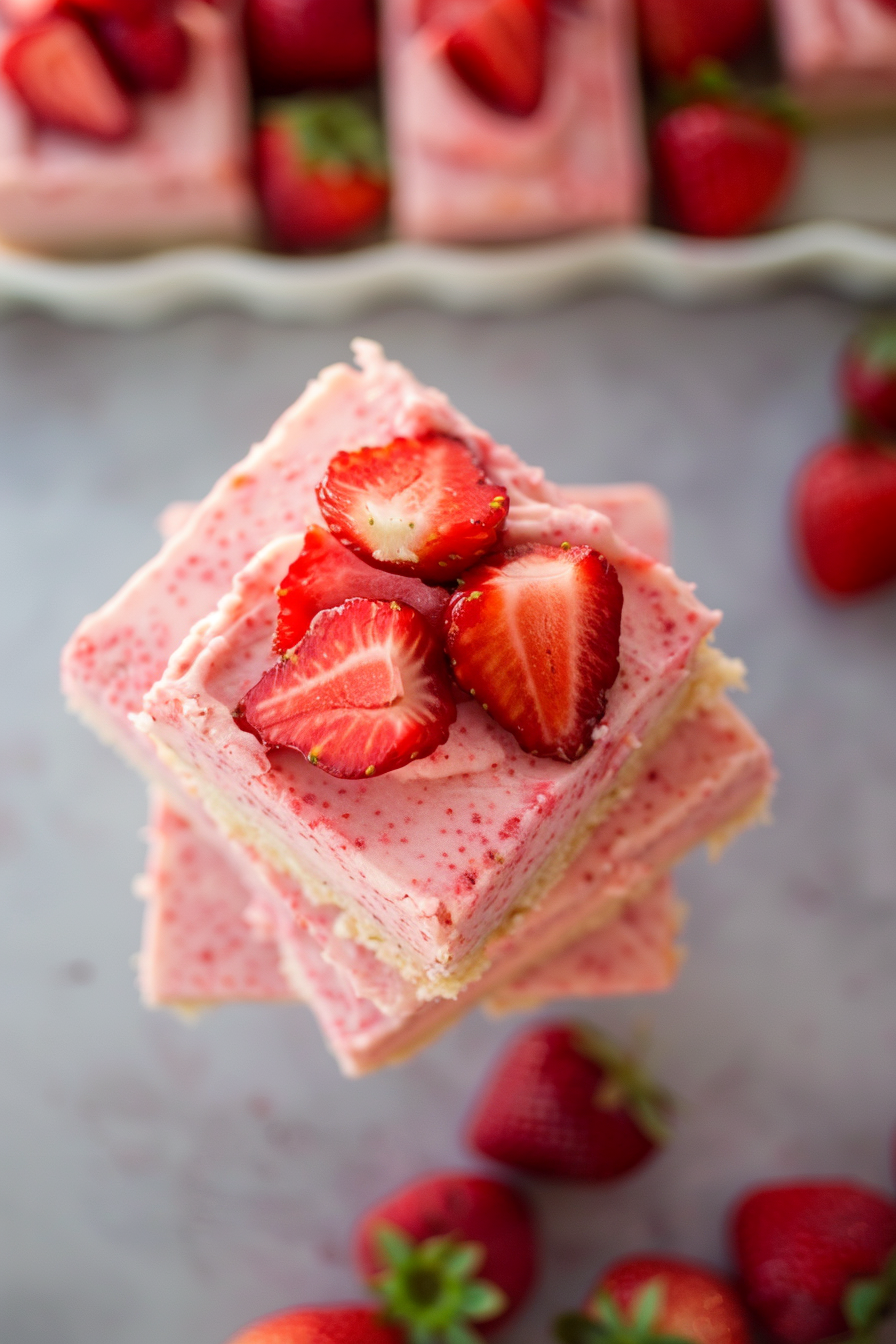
x=466 y=171
x=608 y=926
x=839 y=55
x=182 y=177
x=430 y=861
x=200 y=950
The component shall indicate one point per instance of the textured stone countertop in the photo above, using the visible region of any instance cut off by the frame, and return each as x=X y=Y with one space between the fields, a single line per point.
x=162 y=1183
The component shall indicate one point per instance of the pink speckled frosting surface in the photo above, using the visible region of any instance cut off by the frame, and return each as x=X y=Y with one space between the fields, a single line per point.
x=464 y=172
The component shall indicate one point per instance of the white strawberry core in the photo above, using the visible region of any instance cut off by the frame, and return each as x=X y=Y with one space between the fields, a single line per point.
x=397 y=528
x=366 y=679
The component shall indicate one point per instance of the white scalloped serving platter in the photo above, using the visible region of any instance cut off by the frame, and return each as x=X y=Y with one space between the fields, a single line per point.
x=848 y=258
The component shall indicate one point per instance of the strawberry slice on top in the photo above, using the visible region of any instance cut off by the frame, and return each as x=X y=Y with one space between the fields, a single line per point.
x=533 y=634
x=497 y=48
x=62 y=78
x=366 y=691
x=418 y=506
x=326 y=574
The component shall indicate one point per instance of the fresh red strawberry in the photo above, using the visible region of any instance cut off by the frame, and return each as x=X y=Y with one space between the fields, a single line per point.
x=533 y=634
x=320 y=169
x=565 y=1102
x=844 y=516
x=326 y=574
x=366 y=691
x=868 y=375
x=321 y=1325
x=448 y=1250
x=294 y=43
x=816 y=1259
x=57 y=70
x=722 y=168
x=652 y=1299
x=150 y=56
x=497 y=48
x=676 y=34
x=417 y=506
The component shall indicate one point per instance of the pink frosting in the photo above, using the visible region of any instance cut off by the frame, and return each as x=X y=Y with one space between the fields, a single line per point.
x=634 y=954
x=181 y=178
x=197 y=946
x=711 y=769
x=434 y=862
x=464 y=172
x=840 y=53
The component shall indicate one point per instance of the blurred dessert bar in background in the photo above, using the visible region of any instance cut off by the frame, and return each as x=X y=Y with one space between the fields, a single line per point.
x=513 y=120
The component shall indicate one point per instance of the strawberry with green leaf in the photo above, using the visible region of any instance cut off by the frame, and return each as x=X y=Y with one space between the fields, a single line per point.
x=565 y=1101
x=657 y=1299
x=321 y=171
x=449 y=1255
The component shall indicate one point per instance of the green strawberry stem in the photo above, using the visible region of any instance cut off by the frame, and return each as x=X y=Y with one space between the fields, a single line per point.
x=603 y=1322
x=867 y=1302
x=332 y=131
x=712 y=81
x=626 y=1084
x=430 y=1289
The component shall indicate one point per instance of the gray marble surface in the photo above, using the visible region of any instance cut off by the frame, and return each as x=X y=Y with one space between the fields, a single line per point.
x=161 y=1184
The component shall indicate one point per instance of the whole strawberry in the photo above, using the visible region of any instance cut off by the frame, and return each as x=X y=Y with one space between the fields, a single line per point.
x=868 y=376
x=722 y=166
x=676 y=34
x=566 y=1102
x=320 y=170
x=844 y=516
x=449 y=1253
x=321 y=1325
x=816 y=1259
x=294 y=43
x=654 y=1299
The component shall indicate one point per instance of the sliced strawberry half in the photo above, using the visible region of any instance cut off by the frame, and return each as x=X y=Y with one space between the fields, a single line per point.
x=59 y=73
x=498 y=48
x=365 y=692
x=326 y=574
x=534 y=636
x=417 y=506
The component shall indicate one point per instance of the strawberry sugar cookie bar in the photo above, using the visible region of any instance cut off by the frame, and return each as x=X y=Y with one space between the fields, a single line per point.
x=511 y=119
x=429 y=904
x=607 y=927
x=839 y=55
x=89 y=167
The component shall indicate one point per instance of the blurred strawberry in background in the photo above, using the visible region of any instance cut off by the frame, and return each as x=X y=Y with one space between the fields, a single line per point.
x=566 y=1102
x=320 y=169
x=676 y=34
x=449 y=1252
x=868 y=376
x=844 y=516
x=816 y=1259
x=723 y=161
x=321 y=1325
x=657 y=1299
x=292 y=44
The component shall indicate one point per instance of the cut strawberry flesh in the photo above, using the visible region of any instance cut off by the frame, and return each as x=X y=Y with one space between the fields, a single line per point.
x=326 y=574
x=59 y=73
x=498 y=49
x=534 y=636
x=365 y=692
x=417 y=506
